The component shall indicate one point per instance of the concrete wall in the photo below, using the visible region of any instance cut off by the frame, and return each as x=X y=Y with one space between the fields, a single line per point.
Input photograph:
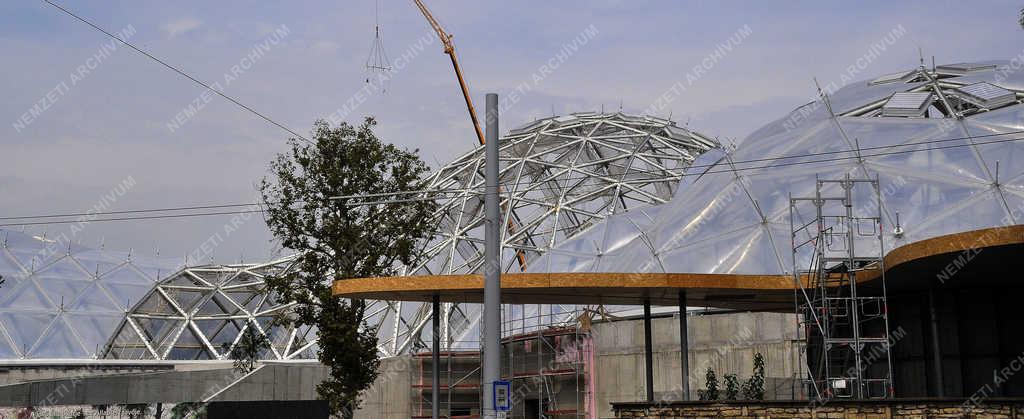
x=13 y=374
x=724 y=342
x=284 y=381
x=390 y=395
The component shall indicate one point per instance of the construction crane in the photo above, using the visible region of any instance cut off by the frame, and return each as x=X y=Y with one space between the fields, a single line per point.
x=449 y=48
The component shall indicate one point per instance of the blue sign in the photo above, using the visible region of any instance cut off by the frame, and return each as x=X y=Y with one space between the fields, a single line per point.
x=502 y=396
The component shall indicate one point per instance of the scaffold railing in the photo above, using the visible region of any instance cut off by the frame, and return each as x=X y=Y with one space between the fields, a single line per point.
x=839 y=272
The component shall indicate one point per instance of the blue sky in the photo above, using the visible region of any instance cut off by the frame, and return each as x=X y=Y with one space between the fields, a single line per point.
x=112 y=123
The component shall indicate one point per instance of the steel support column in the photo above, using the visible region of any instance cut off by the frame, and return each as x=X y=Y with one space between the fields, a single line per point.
x=684 y=347
x=933 y=317
x=491 y=368
x=435 y=359
x=648 y=351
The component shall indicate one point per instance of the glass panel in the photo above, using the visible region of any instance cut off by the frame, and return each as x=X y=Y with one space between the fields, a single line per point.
x=156 y=304
x=58 y=342
x=169 y=339
x=9 y=268
x=220 y=334
x=719 y=255
x=65 y=268
x=93 y=329
x=983 y=209
x=100 y=261
x=63 y=292
x=244 y=297
x=126 y=295
x=94 y=299
x=188 y=346
x=24 y=295
x=25 y=328
x=126 y=274
x=6 y=351
x=160 y=332
x=924 y=201
x=128 y=345
x=186 y=299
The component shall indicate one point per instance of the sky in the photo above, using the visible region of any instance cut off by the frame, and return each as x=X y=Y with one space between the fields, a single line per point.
x=89 y=124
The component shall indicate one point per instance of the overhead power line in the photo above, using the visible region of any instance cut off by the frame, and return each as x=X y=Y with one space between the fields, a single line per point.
x=437 y=192
x=89 y=214
x=179 y=71
x=145 y=217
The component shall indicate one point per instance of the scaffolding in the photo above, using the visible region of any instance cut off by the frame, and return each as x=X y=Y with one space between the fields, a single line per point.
x=459 y=396
x=841 y=295
x=547 y=354
x=548 y=369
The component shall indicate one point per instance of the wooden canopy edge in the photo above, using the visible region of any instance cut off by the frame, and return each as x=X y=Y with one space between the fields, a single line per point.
x=591 y=285
x=473 y=282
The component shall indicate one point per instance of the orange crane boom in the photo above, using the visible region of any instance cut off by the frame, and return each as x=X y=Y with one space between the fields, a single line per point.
x=449 y=48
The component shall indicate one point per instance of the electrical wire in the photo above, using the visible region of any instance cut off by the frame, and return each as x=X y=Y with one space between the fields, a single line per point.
x=147 y=217
x=437 y=192
x=179 y=71
x=87 y=214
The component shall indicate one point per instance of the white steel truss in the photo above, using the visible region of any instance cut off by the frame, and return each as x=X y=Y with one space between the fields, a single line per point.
x=559 y=176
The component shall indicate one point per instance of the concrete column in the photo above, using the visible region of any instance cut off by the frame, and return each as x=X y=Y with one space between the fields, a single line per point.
x=435 y=359
x=940 y=389
x=684 y=347
x=648 y=356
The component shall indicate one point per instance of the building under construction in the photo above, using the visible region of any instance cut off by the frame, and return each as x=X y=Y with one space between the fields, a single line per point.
x=874 y=232
x=884 y=216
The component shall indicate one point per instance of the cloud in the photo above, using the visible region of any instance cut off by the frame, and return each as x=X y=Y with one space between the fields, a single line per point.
x=180 y=26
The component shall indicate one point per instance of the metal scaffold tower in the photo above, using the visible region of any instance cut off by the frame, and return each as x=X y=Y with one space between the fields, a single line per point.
x=841 y=294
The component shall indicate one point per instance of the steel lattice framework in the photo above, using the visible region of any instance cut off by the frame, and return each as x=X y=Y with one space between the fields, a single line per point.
x=201 y=312
x=559 y=176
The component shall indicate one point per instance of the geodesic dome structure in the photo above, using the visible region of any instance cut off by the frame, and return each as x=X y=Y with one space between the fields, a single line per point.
x=201 y=312
x=559 y=176
x=62 y=300
x=944 y=143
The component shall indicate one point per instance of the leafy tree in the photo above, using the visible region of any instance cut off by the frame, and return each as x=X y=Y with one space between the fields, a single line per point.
x=754 y=387
x=247 y=352
x=732 y=387
x=710 y=385
x=338 y=241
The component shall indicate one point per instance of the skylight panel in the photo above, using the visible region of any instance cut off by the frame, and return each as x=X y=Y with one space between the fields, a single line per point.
x=987 y=95
x=907 y=104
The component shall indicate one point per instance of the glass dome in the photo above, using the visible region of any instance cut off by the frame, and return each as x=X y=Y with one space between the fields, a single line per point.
x=63 y=300
x=944 y=143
